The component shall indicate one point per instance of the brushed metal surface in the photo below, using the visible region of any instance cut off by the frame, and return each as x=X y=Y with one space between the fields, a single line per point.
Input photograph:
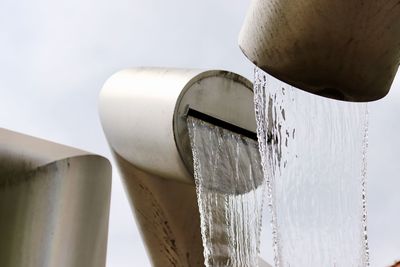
x=54 y=204
x=136 y=108
x=347 y=50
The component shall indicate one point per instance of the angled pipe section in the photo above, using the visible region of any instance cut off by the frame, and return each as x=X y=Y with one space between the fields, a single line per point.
x=54 y=204
x=347 y=50
x=143 y=112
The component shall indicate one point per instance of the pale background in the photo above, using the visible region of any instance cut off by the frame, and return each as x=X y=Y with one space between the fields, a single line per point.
x=56 y=54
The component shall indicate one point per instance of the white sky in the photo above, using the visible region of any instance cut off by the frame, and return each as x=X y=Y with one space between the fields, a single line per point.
x=55 y=56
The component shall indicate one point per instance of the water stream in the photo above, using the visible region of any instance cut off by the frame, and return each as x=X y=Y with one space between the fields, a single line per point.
x=230 y=189
x=313 y=153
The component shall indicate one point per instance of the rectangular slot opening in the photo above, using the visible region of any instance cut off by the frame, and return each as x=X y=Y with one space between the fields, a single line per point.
x=226 y=125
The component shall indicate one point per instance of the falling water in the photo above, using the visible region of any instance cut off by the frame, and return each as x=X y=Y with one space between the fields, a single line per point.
x=313 y=153
x=230 y=187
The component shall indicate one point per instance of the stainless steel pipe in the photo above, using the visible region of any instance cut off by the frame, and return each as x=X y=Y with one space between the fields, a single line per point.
x=347 y=50
x=143 y=112
x=54 y=204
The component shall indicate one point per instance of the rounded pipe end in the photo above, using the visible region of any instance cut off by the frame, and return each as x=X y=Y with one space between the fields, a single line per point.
x=335 y=49
x=222 y=95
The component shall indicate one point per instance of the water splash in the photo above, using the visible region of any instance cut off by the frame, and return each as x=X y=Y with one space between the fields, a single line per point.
x=313 y=153
x=230 y=189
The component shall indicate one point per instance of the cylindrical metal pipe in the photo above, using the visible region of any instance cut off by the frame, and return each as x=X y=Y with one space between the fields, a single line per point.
x=143 y=112
x=54 y=204
x=347 y=50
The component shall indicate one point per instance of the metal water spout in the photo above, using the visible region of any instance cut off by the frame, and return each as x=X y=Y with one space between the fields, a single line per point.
x=347 y=50
x=143 y=112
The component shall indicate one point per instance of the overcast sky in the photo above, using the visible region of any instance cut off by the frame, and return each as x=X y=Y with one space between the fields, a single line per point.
x=56 y=54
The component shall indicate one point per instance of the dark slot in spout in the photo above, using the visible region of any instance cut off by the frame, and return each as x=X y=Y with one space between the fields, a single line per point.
x=226 y=125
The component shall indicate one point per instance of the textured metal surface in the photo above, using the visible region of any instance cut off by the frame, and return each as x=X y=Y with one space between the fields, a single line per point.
x=348 y=50
x=54 y=204
x=167 y=215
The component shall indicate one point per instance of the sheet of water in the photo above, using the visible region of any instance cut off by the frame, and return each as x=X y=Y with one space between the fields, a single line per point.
x=230 y=189
x=313 y=153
